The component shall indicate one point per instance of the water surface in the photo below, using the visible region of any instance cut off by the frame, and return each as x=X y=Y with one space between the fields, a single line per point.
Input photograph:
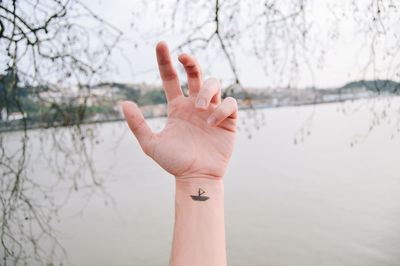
x=319 y=202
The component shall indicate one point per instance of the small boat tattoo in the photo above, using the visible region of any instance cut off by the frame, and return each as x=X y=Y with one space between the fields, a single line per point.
x=200 y=197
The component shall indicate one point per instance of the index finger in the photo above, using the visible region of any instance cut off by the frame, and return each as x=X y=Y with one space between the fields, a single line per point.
x=168 y=73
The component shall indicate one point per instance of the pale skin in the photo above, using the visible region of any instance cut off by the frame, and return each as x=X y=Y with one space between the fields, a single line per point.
x=195 y=146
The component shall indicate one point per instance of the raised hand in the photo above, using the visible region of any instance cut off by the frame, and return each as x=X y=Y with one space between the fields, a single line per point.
x=198 y=138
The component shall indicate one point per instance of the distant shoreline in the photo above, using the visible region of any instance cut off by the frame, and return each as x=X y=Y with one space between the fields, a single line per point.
x=33 y=126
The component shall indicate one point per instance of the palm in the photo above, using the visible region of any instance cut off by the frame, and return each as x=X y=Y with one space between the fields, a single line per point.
x=189 y=145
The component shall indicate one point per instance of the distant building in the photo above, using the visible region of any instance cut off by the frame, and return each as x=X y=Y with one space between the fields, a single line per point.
x=16 y=116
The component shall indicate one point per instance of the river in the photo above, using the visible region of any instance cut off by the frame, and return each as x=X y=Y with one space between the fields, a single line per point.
x=327 y=197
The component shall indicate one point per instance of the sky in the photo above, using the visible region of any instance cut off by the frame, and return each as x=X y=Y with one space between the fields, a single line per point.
x=344 y=60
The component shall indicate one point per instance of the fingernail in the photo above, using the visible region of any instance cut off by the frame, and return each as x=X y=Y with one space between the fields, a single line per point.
x=201 y=102
x=211 y=120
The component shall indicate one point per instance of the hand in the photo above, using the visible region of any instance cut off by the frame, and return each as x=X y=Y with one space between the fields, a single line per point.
x=198 y=138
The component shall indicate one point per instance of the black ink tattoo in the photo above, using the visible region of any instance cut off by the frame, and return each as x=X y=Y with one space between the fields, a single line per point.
x=200 y=197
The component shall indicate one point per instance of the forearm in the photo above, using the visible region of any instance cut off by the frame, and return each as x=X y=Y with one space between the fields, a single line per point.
x=199 y=233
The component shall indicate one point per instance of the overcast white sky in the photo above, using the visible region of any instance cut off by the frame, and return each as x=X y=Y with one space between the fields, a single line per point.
x=343 y=62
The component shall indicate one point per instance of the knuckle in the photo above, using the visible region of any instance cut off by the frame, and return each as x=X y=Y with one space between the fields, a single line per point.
x=190 y=65
x=169 y=76
x=223 y=111
x=211 y=85
x=138 y=125
x=147 y=145
x=168 y=72
x=146 y=149
x=194 y=74
x=231 y=100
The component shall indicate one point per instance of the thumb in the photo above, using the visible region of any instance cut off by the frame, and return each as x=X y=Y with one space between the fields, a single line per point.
x=138 y=125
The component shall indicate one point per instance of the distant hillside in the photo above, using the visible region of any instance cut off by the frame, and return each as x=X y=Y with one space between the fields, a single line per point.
x=375 y=85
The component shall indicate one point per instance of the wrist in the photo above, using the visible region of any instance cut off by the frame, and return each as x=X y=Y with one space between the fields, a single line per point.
x=199 y=231
x=199 y=189
x=197 y=177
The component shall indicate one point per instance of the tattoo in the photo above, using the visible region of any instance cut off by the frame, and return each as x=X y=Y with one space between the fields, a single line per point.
x=200 y=197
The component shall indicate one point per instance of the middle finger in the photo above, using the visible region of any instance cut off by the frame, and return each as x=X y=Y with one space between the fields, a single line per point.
x=193 y=71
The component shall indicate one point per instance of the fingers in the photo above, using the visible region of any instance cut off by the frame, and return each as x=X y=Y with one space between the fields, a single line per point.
x=209 y=92
x=167 y=72
x=228 y=108
x=193 y=71
x=138 y=125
